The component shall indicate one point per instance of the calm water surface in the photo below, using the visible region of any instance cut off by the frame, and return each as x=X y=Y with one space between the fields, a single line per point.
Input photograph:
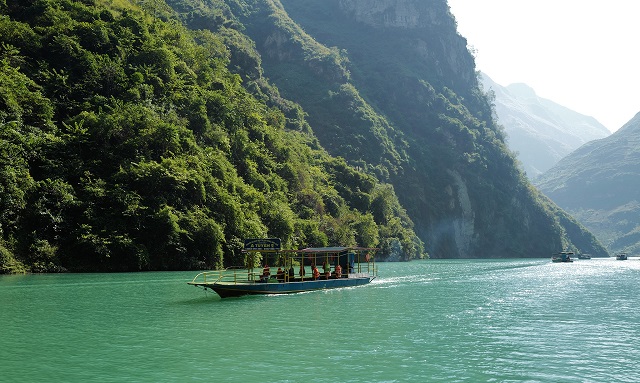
x=427 y=321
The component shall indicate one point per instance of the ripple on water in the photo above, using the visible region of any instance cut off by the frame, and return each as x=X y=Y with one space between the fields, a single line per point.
x=426 y=321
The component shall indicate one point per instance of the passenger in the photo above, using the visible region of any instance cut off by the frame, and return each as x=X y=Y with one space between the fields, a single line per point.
x=301 y=270
x=280 y=274
x=327 y=269
x=316 y=273
x=338 y=271
x=266 y=272
x=291 y=272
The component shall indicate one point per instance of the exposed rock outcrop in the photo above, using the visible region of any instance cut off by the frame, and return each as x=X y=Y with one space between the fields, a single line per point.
x=410 y=14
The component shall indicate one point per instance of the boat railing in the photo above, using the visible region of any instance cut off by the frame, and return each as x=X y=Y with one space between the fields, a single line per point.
x=230 y=274
x=242 y=275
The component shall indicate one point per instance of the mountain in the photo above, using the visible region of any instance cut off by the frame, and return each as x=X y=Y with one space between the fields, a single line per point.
x=155 y=135
x=599 y=184
x=392 y=88
x=126 y=144
x=540 y=131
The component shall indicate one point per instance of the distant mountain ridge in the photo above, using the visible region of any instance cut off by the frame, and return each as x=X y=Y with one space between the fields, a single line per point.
x=540 y=130
x=599 y=184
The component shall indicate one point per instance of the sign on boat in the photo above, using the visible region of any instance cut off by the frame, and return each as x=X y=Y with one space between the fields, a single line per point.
x=291 y=271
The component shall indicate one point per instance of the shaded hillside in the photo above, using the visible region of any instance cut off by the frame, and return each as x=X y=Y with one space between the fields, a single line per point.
x=128 y=144
x=599 y=184
x=392 y=88
x=132 y=143
x=540 y=131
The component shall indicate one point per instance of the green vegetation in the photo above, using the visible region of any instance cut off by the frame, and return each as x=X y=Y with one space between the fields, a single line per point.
x=129 y=143
x=405 y=104
x=156 y=135
x=599 y=184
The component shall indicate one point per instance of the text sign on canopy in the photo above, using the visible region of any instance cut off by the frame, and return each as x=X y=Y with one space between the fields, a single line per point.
x=262 y=244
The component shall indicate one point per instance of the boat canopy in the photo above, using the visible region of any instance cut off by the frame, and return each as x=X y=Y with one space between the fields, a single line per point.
x=333 y=249
x=349 y=257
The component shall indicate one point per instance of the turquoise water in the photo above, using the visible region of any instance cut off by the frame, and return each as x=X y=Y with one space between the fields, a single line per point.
x=427 y=321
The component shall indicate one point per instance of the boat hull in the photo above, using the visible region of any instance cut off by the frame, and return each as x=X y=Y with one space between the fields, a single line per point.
x=230 y=289
x=558 y=260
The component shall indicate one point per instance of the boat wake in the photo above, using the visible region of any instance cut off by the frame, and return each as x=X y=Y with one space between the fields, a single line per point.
x=391 y=282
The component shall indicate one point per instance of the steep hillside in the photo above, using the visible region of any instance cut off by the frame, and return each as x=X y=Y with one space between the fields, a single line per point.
x=599 y=184
x=391 y=87
x=130 y=142
x=126 y=144
x=540 y=131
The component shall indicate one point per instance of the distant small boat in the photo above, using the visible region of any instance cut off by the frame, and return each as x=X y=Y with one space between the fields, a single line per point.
x=621 y=256
x=584 y=256
x=563 y=256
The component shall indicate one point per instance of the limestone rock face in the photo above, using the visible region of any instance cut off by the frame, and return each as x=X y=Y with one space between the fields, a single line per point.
x=410 y=14
x=464 y=229
x=392 y=83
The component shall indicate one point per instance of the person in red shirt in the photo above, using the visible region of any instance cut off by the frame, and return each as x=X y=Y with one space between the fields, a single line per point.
x=266 y=272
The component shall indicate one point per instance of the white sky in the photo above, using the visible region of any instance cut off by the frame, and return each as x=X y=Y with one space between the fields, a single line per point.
x=582 y=54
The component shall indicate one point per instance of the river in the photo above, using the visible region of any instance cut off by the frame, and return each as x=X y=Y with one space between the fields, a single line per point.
x=514 y=320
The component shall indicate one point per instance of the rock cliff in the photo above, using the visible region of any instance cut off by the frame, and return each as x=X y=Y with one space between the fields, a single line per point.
x=434 y=37
x=409 y=14
x=409 y=109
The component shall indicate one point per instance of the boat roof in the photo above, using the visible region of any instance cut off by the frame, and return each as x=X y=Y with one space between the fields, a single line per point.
x=329 y=249
x=320 y=250
x=333 y=249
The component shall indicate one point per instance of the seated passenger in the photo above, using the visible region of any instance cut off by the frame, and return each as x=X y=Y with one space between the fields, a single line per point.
x=280 y=274
x=291 y=272
x=326 y=267
x=338 y=271
x=302 y=270
x=266 y=272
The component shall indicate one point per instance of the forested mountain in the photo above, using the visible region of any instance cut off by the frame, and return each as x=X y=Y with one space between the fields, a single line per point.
x=540 y=131
x=391 y=87
x=128 y=144
x=155 y=136
x=600 y=185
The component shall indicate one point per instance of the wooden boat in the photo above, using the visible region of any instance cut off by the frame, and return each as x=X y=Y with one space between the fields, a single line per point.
x=563 y=256
x=621 y=256
x=298 y=270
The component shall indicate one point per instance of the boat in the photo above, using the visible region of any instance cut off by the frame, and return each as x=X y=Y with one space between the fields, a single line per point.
x=563 y=256
x=621 y=256
x=584 y=256
x=309 y=269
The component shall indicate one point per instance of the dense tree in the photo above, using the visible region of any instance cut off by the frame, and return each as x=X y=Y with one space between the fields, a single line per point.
x=129 y=144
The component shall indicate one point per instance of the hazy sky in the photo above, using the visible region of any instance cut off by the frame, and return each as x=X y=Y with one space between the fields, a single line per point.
x=582 y=54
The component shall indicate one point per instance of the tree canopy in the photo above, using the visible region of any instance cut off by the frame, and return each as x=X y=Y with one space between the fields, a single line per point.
x=128 y=143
